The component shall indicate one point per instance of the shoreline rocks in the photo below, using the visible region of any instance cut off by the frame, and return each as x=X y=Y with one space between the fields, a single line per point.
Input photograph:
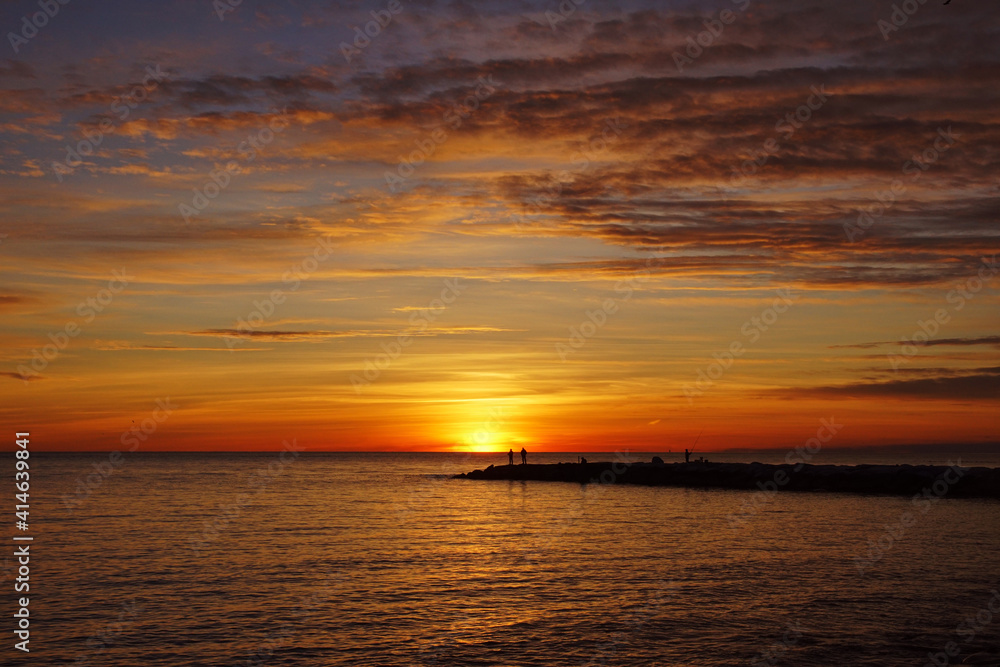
x=952 y=481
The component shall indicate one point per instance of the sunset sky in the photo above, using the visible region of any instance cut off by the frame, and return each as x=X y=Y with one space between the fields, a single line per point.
x=495 y=224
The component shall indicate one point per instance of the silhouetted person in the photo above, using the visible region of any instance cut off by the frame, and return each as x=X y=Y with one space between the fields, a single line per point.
x=510 y=457
x=524 y=456
x=687 y=456
x=583 y=459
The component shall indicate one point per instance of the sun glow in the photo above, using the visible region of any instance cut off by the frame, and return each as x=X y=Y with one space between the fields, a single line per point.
x=478 y=449
x=481 y=441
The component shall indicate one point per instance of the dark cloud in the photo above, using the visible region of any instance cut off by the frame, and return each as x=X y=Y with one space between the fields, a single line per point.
x=974 y=386
x=666 y=183
x=982 y=340
x=224 y=90
x=282 y=336
x=18 y=376
x=15 y=69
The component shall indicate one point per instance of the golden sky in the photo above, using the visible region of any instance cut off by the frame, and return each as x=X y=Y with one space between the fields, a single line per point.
x=485 y=225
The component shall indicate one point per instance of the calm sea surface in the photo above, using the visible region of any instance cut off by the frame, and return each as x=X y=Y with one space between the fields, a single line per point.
x=382 y=559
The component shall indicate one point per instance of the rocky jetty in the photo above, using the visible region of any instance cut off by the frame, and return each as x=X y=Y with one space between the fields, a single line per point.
x=952 y=481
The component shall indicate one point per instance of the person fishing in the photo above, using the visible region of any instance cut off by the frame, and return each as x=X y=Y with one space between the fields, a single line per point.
x=524 y=456
x=687 y=454
x=510 y=457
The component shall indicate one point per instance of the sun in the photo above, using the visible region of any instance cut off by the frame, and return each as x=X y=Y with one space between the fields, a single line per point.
x=480 y=442
x=482 y=426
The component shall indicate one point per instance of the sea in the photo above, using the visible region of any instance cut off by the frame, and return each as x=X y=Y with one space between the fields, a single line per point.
x=321 y=559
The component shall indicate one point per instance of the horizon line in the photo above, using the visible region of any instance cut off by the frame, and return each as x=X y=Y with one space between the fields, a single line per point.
x=976 y=445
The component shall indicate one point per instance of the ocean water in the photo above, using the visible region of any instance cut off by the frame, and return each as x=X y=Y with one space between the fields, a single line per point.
x=383 y=559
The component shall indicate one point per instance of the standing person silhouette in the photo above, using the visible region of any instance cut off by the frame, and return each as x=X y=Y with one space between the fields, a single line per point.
x=510 y=457
x=524 y=456
x=687 y=456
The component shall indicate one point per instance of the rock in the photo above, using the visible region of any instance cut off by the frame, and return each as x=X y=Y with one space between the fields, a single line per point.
x=881 y=480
